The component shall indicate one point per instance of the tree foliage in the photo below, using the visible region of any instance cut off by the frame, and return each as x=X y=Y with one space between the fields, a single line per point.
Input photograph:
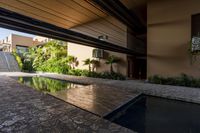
x=49 y=57
x=18 y=59
x=92 y=64
x=112 y=60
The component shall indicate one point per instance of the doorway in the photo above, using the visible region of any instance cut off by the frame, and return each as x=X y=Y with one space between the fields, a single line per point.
x=137 y=67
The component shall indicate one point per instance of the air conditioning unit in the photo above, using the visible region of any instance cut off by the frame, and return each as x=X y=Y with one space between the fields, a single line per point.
x=97 y=53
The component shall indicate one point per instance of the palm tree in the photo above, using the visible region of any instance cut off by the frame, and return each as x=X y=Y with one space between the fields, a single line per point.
x=95 y=64
x=88 y=62
x=112 y=60
x=73 y=61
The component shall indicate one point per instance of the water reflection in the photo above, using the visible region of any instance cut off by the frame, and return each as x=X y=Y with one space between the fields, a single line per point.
x=47 y=84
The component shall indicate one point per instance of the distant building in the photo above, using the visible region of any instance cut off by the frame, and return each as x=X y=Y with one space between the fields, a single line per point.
x=38 y=40
x=18 y=42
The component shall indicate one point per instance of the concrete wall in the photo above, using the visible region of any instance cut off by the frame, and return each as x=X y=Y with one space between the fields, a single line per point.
x=169 y=34
x=117 y=34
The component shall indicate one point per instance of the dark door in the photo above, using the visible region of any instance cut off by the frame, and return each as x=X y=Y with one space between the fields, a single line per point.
x=137 y=68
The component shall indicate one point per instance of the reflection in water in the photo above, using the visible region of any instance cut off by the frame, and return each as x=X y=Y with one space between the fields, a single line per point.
x=80 y=95
x=83 y=97
x=46 y=84
x=98 y=99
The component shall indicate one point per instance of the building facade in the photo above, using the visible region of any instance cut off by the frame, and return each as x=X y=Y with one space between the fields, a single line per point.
x=169 y=36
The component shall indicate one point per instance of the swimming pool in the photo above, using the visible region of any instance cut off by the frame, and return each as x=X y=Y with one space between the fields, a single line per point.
x=148 y=114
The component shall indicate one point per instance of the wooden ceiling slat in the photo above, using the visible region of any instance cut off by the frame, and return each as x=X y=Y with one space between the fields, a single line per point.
x=34 y=10
x=89 y=7
x=66 y=9
x=88 y=27
x=96 y=30
x=33 y=15
x=55 y=10
x=122 y=13
x=99 y=30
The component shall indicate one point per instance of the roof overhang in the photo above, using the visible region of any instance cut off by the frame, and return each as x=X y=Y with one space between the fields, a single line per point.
x=16 y=21
x=118 y=10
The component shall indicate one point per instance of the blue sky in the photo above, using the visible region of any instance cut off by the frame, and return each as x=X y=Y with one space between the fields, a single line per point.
x=5 y=32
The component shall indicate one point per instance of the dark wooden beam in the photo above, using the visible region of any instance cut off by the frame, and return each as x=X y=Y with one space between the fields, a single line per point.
x=15 y=21
x=116 y=9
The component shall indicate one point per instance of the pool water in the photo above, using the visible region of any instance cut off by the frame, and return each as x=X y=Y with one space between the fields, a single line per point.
x=148 y=114
x=45 y=84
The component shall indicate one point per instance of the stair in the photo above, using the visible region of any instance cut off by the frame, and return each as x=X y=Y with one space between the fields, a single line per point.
x=8 y=63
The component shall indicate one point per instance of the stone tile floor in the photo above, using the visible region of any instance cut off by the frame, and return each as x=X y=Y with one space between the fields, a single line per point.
x=23 y=109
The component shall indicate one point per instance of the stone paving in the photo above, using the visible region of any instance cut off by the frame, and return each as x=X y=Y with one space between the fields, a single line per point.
x=23 y=109
x=166 y=91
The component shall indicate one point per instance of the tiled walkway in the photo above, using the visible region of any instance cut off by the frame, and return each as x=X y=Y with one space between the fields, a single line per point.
x=23 y=109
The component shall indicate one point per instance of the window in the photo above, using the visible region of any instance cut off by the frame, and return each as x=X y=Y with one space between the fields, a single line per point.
x=195 y=25
x=21 y=49
x=195 y=34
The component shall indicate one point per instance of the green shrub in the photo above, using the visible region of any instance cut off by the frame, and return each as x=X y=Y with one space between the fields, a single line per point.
x=105 y=75
x=76 y=72
x=113 y=75
x=27 y=66
x=54 y=65
x=182 y=80
x=18 y=59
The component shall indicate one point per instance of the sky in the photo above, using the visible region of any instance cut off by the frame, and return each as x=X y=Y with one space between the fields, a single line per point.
x=5 y=32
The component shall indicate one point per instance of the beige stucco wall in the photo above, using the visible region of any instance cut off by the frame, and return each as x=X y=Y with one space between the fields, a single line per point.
x=169 y=34
x=81 y=52
x=84 y=52
x=107 y=26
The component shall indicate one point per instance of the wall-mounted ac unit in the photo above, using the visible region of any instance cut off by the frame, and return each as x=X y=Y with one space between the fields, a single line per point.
x=98 y=53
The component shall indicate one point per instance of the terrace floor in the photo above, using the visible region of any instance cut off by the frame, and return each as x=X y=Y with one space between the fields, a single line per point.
x=26 y=109
x=23 y=109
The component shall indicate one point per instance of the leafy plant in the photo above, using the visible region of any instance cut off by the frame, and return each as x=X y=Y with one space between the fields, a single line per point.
x=50 y=57
x=18 y=59
x=95 y=64
x=92 y=64
x=76 y=72
x=112 y=60
x=54 y=65
x=182 y=80
x=88 y=62
x=113 y=75
x=72 y=61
